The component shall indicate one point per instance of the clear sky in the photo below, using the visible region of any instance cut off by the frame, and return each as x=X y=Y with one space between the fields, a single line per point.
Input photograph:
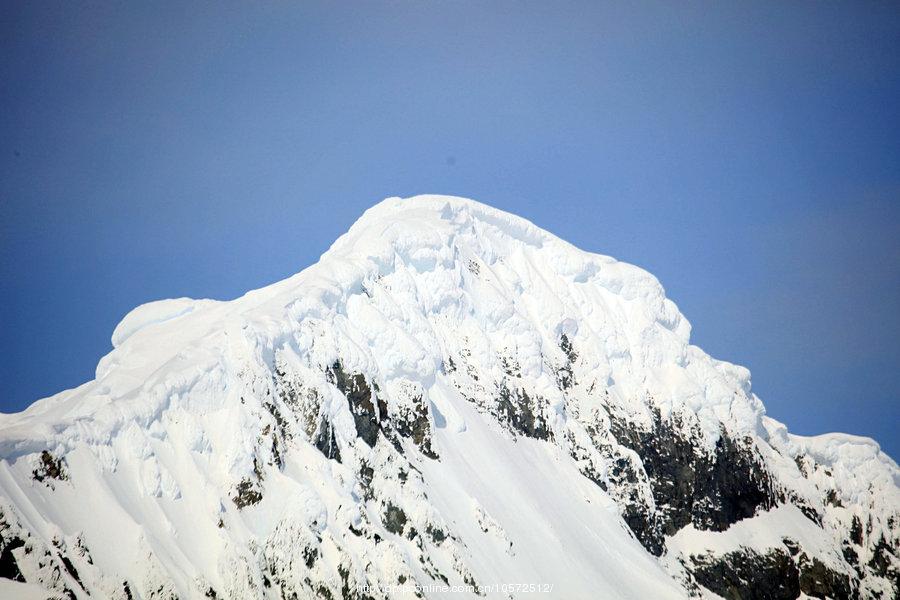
x=747 y=154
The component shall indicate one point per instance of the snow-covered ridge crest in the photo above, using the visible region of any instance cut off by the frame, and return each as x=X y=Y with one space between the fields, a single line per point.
x=445 y=383
x=439 y=237
x=419 y=234
x=153 y=313
x=420 y=228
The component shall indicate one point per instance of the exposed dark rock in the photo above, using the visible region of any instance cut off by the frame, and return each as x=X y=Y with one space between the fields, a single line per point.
x=808 y=511
x=851 y=556
x=819 y=581
x=9 y=568
x=740 y=483
x=276 y=452
x=793 y=547
x=276 y=414
x=519 y=411
x=431 y=570
x=344 y=572
x=468 y=579
x=449 y=365
x=359 y=398
x=246 y=494
x=349 y=591
x=566 y=346
x=565 y=376
x=645 y=528
x=856 y=531
x=82 y=551
x=394 y=519
x=746 y=575
x=436 y=534
x=49 y=467
x=309 y=556
x=623 y=479
x=366 y=475
x=283 y=430
x=511 y=366
x=326 y=442
x=303 y=402
x=882 y=564
x=70 y=569
x=413 y=423
x=711 y=491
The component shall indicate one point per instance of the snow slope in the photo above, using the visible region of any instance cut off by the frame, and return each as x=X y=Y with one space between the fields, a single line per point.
x=451 y=397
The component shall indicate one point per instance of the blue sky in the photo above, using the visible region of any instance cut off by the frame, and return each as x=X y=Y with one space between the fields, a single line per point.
x=748 y=156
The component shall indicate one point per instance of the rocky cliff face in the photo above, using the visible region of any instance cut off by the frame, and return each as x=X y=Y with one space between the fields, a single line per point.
x=451 y=402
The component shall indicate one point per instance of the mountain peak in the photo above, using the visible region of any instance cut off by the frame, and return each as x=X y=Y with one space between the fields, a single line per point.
x=445 y=213
x=451 y=395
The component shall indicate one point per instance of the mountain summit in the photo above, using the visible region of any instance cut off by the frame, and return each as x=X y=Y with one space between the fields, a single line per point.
x=451 y=403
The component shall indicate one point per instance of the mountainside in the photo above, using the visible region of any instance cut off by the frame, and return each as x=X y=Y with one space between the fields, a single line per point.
x=451 y=397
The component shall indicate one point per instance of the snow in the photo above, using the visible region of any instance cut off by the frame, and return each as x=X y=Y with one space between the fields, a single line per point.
x=152 y=313
x=180 y=413
x=24 y=591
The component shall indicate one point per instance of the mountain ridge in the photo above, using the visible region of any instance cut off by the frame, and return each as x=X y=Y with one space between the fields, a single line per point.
x=359 y=388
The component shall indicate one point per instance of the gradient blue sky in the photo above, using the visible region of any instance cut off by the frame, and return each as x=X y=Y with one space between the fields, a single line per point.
x=748 y=156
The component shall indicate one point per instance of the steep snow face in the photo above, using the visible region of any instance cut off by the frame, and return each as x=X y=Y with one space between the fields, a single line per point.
x=450 y=398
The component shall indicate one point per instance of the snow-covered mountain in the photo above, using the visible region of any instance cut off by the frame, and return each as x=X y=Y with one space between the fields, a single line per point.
x=451 y=398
